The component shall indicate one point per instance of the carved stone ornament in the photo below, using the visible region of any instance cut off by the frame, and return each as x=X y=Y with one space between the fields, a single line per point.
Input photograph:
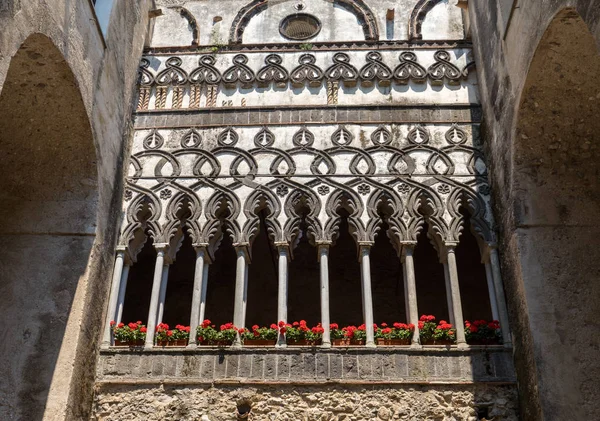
x=303 y=138
x=444 y=69
x=239 y=72
x=154 y=140
x=409 y=70
x=342 y=70
x=307 y=72
x=173 y=75
x=273 y=72
x=375 y=71
x=228 y=137
x=191 y=139
x=418 y=136
x=206 y=72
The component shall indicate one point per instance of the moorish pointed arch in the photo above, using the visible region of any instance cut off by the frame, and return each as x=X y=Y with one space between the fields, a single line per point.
x=359 y=8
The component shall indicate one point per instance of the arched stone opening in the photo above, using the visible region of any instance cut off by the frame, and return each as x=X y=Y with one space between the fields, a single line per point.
x=136 y=304
x=344 y=277
x=304 y=299
x=556 y=196
x=221 y=282
x=180 y=285
x=48 y=199
x=429 y=277
x=387 y=280
x=262 y=279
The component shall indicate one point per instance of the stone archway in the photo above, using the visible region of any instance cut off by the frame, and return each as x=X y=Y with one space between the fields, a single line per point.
x=556 y=191
x=48 y=200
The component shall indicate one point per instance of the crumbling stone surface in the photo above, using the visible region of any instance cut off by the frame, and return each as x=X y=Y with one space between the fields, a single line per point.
x=305 y=403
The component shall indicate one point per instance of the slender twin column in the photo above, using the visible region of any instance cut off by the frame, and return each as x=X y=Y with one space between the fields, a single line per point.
x=283 y=252
x=448 y=290
x=367 y=296
x=241 y=288
x=455 y=294
x=491 y=291
x=161 y=250
x=500 y=297
x=114 y=295
x=323 y=250
x=199 y=291
x=163 y=293
x=410 y=290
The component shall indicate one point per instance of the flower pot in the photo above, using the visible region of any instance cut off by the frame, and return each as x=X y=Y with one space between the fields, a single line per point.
x=131 y=344
x=260 y=342
x=437 y=342
x=393 y=342
x=304 y=342
x=220 y=344
x=357 y=341
x=340 y=342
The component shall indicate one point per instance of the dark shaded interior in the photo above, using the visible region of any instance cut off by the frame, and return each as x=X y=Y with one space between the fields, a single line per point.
x=262 y=280
x=471 y=275
x=220 y=295
x=387 y=280
x=429 y=278
x=178 y=301
x=304 y=296
x=345 y=294
x=139 y=285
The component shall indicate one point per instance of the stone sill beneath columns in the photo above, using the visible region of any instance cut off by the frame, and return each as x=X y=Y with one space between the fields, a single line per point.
x=431 y=365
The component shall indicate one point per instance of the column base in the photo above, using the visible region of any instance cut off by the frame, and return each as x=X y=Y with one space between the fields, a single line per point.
x=462 y=345
x=192 y=345
x=326 y=345
x=371 y=345
x=283 y=345
x=416 y=346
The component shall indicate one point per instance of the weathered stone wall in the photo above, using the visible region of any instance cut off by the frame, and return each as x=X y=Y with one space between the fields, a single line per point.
x=298 y=365
x=67 y=116
x=542 y=146
x=305 y=403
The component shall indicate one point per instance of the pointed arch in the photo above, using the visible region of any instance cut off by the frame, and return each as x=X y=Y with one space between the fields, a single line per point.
x=359 y=8
x=417 y=17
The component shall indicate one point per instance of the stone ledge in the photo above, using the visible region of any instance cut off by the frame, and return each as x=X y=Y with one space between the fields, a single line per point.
x=311 y=366
x=266 y=116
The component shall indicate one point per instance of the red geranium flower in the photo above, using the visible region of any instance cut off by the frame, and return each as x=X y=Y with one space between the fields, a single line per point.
x=112 y=323
x=281 y=323
x=334 y=326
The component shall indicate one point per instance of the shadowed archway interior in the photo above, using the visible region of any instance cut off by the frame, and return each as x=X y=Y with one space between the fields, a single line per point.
x=556 y=192
x=48 y=198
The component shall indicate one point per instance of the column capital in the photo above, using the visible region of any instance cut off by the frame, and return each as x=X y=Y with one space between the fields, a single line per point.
x=121 y=249
x=243 y=248
x=203 y=248
x=161 y=246
x=450 y=246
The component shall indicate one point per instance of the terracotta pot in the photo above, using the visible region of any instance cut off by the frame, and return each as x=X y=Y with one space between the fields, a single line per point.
x=260 y=342
x=130 y=344
x=357 y=341
x=393 y=342
x=220 y=344
x=340 y=342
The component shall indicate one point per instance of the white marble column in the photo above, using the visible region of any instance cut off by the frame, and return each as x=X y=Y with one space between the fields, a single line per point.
x=161 y=250
x=122 y=291
x=114 y=292
x=459 y=323
x=500 y=297
x=282 y=292
x=365 y=271
x=199 y=282
x=448 y=291
x=241 y=289
x=323 y=250
x=410 y=288
x=163 y=294
x=491 y=291
x=204 y=291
